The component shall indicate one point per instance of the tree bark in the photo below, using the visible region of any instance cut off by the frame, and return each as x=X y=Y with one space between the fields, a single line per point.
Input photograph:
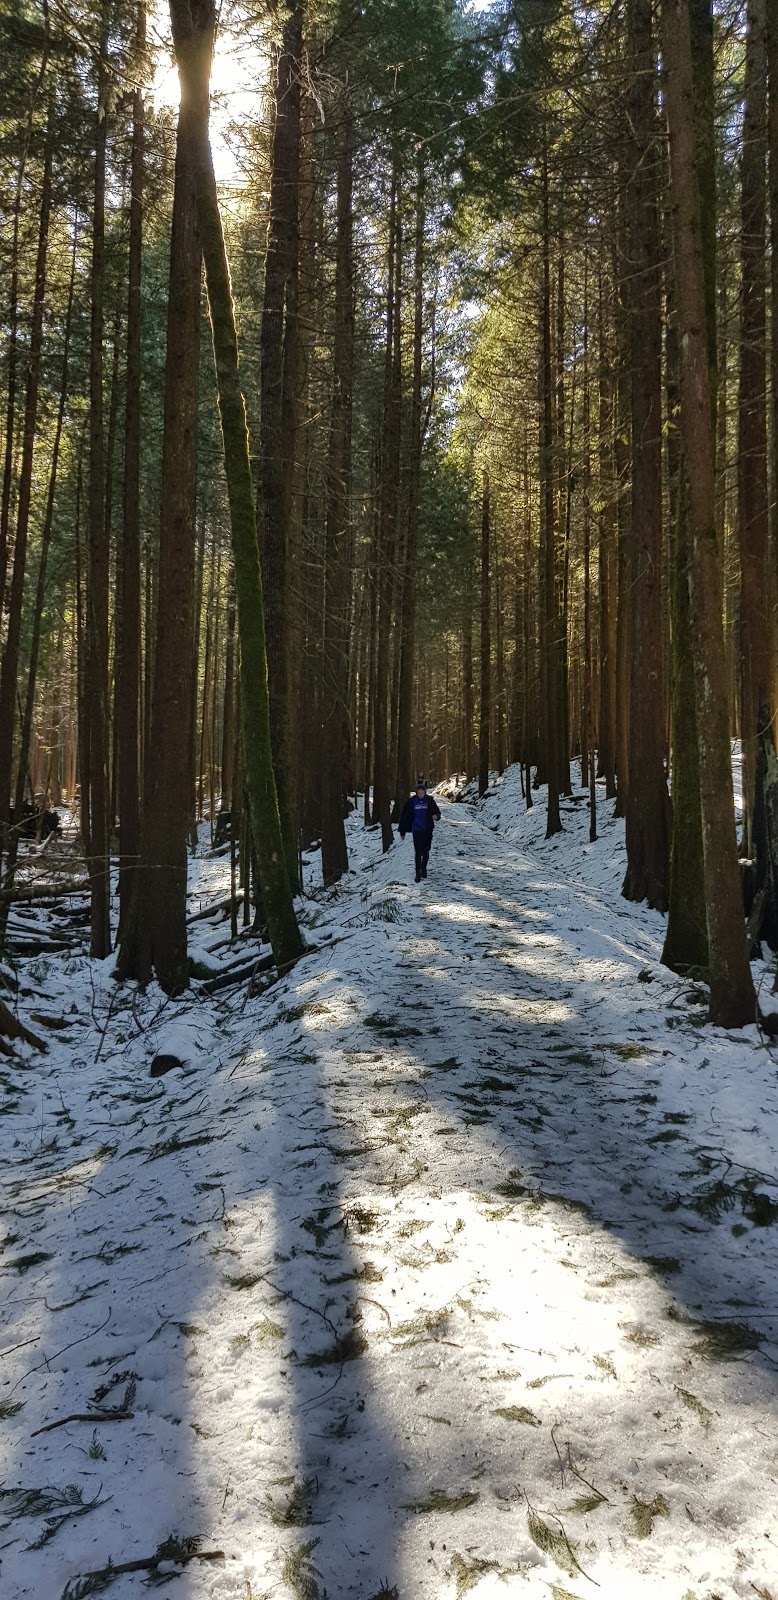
x=193 y=40
x=607 y=557
x=468 y=709
x=95 y=783
x=756 y=653
x=648 y=808
x=32 y=670
x=410 y=577
x=128 y=632
x=486 y=645
x=387 y=538
x=278 y=405
x=334 y=853
x=550 y=709
x=686 y=936
x=10 y=663
x=732 y=1002
x=13 y=315
x=155 y=938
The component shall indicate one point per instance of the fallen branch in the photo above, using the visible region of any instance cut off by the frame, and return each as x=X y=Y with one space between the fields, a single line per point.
x=12 y=1028
x=151 y=1563
x=85 y=1416
x=171 y=1550
x=236 y=974
x=47 y=1360
x=25 y=946
x=11 y=893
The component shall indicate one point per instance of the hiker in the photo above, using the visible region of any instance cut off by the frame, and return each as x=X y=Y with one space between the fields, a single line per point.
x=420 y=813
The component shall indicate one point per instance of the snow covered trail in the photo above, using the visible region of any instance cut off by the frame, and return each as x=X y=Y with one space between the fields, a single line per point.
x=446 y=1267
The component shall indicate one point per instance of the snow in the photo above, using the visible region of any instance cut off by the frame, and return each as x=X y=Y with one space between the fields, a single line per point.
x=445 y=1266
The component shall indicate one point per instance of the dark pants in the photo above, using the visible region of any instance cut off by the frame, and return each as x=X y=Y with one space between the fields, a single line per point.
x=422 y=844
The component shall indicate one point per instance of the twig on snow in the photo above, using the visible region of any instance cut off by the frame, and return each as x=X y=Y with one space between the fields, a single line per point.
x=22 y=1346
x=85 y=1416
x=47 y=1360
x=559 y=1455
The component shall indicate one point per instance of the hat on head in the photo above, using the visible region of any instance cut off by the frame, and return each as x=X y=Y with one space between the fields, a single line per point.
x=420 y=784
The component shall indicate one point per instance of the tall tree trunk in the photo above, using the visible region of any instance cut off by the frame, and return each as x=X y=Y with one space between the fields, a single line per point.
x=686 y=935
x=278 y=404
x=587 y=740
x=154 y=939
x=389 y=474
x=193 y=40
x=32 y=670
x=756 y=653
x=607 y=557
x=95 y=782
x=732 y=1002
x=228 y=715
x=468 y=709
x=772 y=131
x=301 y=336
x=13 y=314
x=486 y=645
x=127 y=731
x=10 y=663
x=499 y=662
x=48 y=523
x=563 y=513
x=648 y=807
x=550 y=675
x=372 y=577
x=528 y=640
x=410 y=579
x=621 y=462
x=334 y=854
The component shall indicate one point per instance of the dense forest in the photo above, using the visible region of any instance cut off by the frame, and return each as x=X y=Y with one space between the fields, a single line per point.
x=433 y=427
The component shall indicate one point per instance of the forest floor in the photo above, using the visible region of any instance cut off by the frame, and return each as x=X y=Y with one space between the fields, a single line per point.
x=448 y=1266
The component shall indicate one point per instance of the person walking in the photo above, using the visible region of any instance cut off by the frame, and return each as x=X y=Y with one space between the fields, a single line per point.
x=420 y=813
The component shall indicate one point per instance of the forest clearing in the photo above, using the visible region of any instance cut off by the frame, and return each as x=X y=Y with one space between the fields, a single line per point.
x=388 y=583
x=445 y=1267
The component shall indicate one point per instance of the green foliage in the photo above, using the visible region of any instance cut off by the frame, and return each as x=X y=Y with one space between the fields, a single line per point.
x=438 y=1500
x=55 y=1506
x=518 y=1414
x=553 y=1541
x=645 y=1512
x=299 y=1573
x=725 y=1341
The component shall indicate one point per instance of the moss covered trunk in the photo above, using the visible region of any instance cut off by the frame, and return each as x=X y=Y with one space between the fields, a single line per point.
x=193 y=38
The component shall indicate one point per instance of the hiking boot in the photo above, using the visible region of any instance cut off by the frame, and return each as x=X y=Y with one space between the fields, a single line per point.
x=418 y=877
x=424 y=872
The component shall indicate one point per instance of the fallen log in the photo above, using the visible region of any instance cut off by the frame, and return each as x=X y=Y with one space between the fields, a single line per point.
x=41 y=891
x=43 y=947
x=210 y=911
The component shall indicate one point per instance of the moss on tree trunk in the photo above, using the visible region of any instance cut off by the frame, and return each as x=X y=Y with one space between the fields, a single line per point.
x=192 y=37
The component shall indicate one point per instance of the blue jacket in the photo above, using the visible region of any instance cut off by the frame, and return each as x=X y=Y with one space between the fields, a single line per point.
x=408 y=817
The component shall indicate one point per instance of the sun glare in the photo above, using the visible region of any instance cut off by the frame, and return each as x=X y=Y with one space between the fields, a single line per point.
x=238 y=78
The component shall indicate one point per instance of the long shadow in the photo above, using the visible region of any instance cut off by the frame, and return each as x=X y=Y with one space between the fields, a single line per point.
x=559 y=1104
x=230 y=1344
x=314 y=1367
